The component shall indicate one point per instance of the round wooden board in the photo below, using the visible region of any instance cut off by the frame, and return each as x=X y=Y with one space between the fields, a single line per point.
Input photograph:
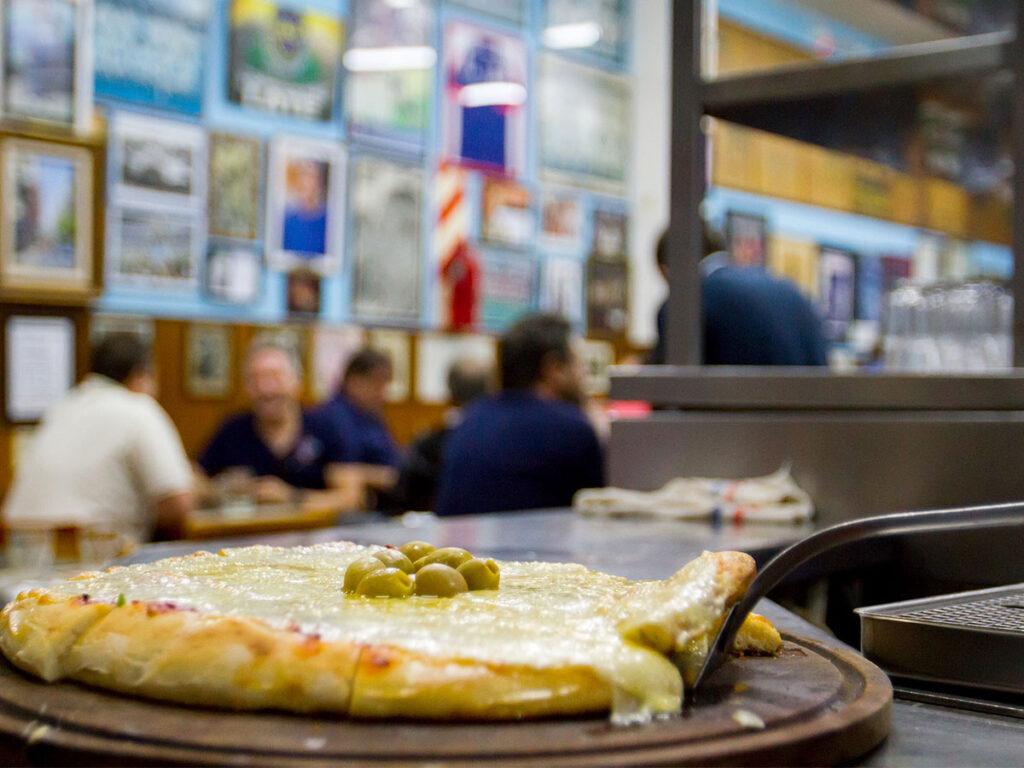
x=820 y=705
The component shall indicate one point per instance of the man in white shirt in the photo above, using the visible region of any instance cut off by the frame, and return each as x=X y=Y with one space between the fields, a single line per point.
x=107 y=454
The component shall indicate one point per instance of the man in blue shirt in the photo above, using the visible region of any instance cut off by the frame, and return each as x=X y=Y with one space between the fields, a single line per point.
x=288 y=454
x=356 y=415
x=750 y=316
x=529 y=446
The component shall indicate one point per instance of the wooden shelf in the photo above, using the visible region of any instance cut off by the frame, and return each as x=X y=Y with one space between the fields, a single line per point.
x=907 y=66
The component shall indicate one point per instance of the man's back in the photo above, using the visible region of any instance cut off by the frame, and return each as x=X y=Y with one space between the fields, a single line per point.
x=101 y=455
x=754 y=318
x=518 y=451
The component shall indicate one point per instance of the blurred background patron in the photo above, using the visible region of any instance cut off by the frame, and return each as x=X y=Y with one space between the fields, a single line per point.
x=290 y=455
x=529 y=446
x=107 y=454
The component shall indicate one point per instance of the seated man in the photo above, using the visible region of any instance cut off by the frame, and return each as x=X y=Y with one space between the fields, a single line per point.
x=468 y=380
x=291 y=456
x=107 y=454
x=529 y=446
x=356 y=415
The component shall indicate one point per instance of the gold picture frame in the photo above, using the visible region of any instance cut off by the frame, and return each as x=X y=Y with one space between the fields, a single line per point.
x=209 y=361
x=46 y=227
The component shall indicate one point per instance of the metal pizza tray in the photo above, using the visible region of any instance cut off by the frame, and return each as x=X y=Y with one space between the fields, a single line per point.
x=973 y=639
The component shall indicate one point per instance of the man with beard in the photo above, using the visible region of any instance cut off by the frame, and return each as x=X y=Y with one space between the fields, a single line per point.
x=529 y=446
x=278 y=453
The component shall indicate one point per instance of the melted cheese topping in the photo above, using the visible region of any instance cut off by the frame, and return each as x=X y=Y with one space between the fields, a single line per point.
x=544 y=614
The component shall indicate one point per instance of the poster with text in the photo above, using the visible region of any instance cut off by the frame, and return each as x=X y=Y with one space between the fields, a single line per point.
x=506 y=217
x=305 y=205
x=283 y=59
x=562 y=289
x=597 y=27
x=390 y=64
x=47 y=61
x=509 y=289
x=236 y=177
x=584 y=125
x=387 y=216
x=152 y=51
x=483 y=113
x=837 y=290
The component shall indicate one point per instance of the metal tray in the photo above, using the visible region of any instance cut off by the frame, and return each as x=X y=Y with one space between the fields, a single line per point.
x=973 y=639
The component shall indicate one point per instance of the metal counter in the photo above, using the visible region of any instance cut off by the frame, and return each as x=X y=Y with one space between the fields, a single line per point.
x=921 y=735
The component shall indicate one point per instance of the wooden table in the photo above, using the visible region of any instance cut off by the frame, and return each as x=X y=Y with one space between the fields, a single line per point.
x=216 y=523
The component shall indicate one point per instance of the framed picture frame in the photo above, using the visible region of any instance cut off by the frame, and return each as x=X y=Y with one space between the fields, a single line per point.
x=233 y=271
x=154 y=247
x=584 y=125
x=386 y=105
x=562 y=289
x=59 y=32
x=837 y=292
x=158 y=161
x=561 y=220
x=605 y=22
x=302 y=295
x=235 y=186
x=610 y=234
x=746 y=238
x=209 y=361
x=305 y=205
x=509 y=288
x=47 y=219
x=506 y=213
x=397 y=345
x=330 y=349
x=509 y=11
x=387 y=222
x=39 y=363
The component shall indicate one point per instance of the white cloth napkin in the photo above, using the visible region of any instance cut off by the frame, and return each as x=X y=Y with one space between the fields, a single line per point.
x=775 y=498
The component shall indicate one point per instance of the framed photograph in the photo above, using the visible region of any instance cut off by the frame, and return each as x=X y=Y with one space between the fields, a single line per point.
x=236 y=180
x=510 y=11
x=283 y=60
x=233 y=271
x=384 y=102
x=506 y=216
x=153 y=247
x=330 y=351
x=151 y=52
x=47 y=217
x=397 y=345
x=303 y=294
x=561 y=220
x=387 y=216
x=607 y=297
x=483 y=113
x=208 y=361
x=562 y=289
x=508 y=289
x=746 y=239
x=47 y=72
x=437 y=352
x=40 y=364
x=305 y=205
x=596 y=27
x=584 y=125
x=837 y=272
x=611 y=234
x=598 y=357
x=156 y=160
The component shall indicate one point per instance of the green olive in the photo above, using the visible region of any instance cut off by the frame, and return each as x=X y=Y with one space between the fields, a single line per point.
x=392 y=558
x=386 y=582
x=451 y=556
x=439 y=580
x=480 y=574
x=358 y=570
x=414 y=550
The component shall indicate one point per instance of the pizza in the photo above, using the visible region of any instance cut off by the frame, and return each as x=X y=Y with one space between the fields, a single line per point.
x=279 y=628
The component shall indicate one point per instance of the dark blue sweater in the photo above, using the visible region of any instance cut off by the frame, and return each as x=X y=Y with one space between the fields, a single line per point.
x=518 y=451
